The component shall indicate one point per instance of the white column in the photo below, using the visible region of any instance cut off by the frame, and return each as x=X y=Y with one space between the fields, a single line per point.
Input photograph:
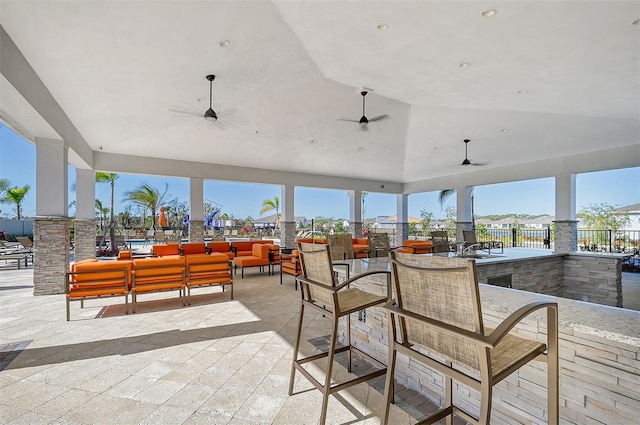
x=196 y=199
x=355 y=213
x=566 y=197
x=51 y=224
x=464 y=211
x=566 y=225
x=288 y=221
x=84 y=225
x=85 y=194
x=402 y=222
x=196 y=209
x=52 y=183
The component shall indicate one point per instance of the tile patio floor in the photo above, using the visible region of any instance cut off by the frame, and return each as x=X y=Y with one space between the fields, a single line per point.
x=219 y=361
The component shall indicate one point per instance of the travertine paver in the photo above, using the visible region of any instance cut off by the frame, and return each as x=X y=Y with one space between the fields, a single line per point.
x=218 y=361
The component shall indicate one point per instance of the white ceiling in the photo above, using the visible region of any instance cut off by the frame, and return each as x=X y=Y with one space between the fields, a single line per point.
x=120 y=71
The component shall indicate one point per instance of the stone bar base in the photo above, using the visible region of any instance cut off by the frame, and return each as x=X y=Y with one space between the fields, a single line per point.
x=288 y=234
x=196 y=230
x=593 y=278
x=51 y=254
x=402 y=233
x=566 y=236
x=460 y=226
x=84 y=239
x=599 y=357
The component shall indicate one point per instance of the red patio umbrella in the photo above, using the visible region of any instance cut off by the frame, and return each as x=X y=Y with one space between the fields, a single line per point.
x=162 y=218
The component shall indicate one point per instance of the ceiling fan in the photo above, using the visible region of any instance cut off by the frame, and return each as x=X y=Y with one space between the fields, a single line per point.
x=364 y=121
x=466 y=159
x=210 y=115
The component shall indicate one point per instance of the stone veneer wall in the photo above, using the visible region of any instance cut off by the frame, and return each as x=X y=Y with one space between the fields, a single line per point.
x=566 y=236
x=51 y=254
x=402 y=233
x=356 y=229
x=599 y=369
x=196 y=230
x=288 y=234
x=84 y=239
x=594 y=278
x=541 y=275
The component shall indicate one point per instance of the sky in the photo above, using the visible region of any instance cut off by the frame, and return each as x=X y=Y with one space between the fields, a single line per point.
x=616 y=187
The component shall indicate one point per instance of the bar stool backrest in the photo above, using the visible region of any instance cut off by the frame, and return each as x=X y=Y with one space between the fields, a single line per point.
x=317 y=266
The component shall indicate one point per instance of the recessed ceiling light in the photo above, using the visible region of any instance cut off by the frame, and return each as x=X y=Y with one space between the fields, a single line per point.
x=360 y=149
x=489 y=12
x=521 y=92
x=201 y=99
x=383 y=27
x=636 y=22
x=223 y=43
x=505 y=130
x=463 y=65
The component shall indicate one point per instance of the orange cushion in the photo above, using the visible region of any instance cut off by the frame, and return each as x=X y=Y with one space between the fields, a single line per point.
x=191 y=248
x=260 y=250
x=164 y=250
x=251 y=261
x=219 y=246
x=124 y=255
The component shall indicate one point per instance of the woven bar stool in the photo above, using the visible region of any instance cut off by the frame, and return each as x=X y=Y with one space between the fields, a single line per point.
x=321 y=292
x=437 y=308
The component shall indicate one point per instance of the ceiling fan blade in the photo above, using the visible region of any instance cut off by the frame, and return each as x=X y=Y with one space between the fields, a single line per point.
x=347 y=119
x=379 y=117
x=184 y=111
x=479 y=164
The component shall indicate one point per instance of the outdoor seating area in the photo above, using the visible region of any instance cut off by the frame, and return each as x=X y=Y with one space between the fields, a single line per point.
x=92 y=279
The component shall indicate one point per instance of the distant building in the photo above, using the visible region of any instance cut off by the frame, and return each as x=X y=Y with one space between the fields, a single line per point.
x=633 y=212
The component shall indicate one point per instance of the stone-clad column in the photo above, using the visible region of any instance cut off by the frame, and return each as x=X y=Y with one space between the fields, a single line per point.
x=51 y=224
x=51 y=254
x=566 y=236
x=196 y=230
x=566 y=225
x=355 y=213
x=84 y=237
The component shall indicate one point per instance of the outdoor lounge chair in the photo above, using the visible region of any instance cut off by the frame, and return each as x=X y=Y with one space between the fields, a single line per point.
x=342 y=247
x=470 y=242
x=322 y=293
x=438 y=311
x=378 y=245
x=440 y=240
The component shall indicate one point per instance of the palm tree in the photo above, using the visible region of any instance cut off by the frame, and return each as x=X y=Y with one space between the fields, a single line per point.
x=270 y=205
x=111 y=179
x=147 y=196
x=102 y=212
x=15 y=195
x=4 y=185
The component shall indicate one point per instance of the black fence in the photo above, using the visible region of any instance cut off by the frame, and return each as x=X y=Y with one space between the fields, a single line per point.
x=612 y=241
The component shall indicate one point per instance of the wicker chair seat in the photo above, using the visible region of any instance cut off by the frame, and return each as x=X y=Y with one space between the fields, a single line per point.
x=350 y=300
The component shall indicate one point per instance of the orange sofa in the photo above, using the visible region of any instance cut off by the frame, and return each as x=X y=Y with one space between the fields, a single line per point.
x=262 y=254
x=191 y=248
x=415 y=247
x=221 y=247
x=207 y=270
x=245 y=248
x=155 y=275
x=92 y=279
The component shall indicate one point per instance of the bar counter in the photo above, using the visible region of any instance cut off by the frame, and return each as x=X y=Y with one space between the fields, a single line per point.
x=599 y=354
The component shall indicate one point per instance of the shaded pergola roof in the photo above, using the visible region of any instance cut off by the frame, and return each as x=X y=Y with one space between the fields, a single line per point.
x=540 y=88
